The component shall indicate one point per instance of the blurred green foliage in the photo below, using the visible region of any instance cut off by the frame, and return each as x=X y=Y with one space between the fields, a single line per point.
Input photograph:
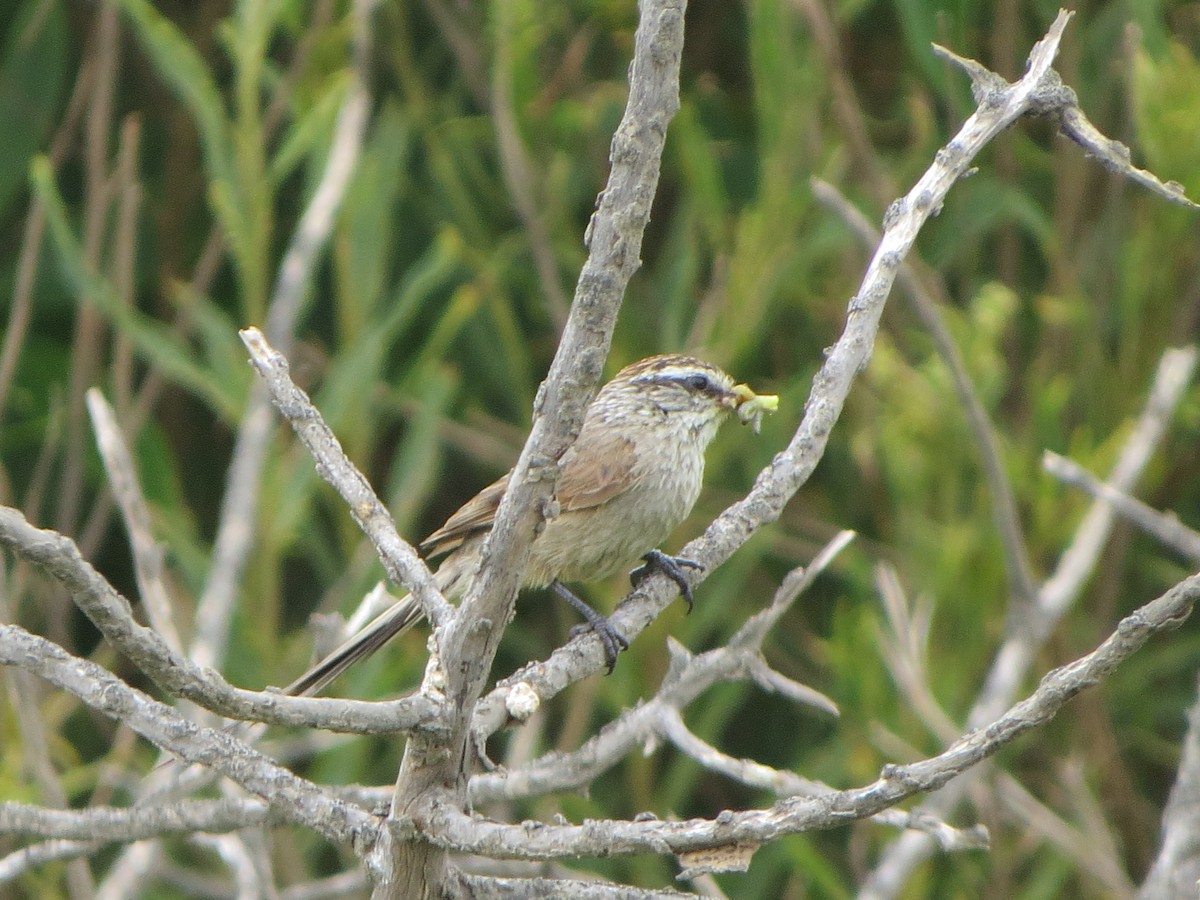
x=427 y=330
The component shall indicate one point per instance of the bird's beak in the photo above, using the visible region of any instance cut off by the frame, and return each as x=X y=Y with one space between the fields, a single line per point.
x=751 y=407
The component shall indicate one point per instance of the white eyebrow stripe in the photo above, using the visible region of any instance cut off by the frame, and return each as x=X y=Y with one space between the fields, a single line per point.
x=676 y=373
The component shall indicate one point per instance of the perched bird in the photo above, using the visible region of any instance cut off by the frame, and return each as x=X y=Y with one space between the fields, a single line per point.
x=632 y=475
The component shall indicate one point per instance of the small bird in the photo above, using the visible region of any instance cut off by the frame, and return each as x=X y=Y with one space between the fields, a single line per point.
x=632 y=475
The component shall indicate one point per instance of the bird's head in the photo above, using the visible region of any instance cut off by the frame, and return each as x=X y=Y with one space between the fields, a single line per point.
x=694 y=394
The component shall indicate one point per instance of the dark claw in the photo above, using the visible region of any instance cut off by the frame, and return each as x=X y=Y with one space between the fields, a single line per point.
x=614 y=642
x=672 y=567
x=611 y=639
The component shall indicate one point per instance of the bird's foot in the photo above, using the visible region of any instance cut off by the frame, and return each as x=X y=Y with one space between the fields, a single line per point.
x=611 y=639
x=672 y=567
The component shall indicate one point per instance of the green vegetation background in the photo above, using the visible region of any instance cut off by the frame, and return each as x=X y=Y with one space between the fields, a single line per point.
x=427 y=330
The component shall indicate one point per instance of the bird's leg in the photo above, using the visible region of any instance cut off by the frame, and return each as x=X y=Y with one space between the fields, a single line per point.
x=672 y=567
x=614 y=642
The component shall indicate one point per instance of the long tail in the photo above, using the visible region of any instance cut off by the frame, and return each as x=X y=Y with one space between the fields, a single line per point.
x=395 y=620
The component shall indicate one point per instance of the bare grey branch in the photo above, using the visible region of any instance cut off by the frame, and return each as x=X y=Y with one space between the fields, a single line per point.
x=295 y=799
x=111 y=823
x=1058 y=593
x=1166 y=527
x=112 y=615
x=458 y=831
x=401 y=561
x=147 y=554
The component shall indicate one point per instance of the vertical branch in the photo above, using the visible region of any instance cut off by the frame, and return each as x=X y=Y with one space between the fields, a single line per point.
x=147 y=555
x=1176 y=871
x=433 y=764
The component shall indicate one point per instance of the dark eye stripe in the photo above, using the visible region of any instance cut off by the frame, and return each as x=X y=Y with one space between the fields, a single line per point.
x=694 y=381
x=699 y=382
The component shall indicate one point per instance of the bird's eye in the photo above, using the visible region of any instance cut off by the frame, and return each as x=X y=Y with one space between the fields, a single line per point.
x=698 y=382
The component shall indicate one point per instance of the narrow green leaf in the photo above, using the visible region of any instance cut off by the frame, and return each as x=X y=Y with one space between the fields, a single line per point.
x=362 y=362
x=221 y=350
x=313 y=125
x=184 y=70
x=415 y=464
x=365 y=251
x=157 y=344
x=32 y=76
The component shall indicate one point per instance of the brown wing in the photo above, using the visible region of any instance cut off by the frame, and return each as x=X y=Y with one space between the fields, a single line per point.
x=605 y=470
x=476 y=515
